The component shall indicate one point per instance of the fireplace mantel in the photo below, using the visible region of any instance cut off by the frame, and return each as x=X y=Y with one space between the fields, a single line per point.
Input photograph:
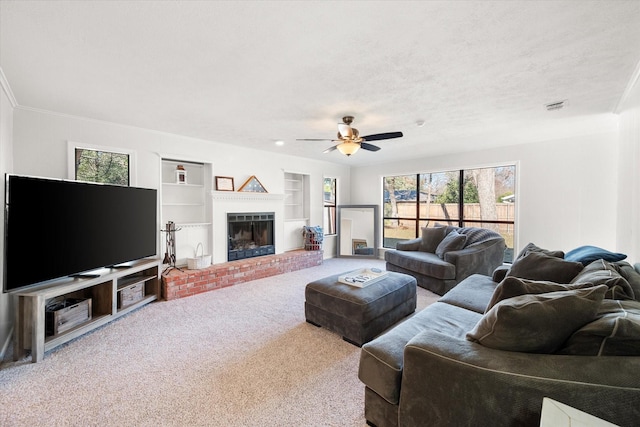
x=237 y=195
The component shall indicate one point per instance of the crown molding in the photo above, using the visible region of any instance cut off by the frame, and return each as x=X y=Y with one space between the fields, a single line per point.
x=635 y=76
x=7 y=89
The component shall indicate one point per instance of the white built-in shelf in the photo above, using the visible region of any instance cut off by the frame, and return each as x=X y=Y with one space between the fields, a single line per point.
x=175 y=184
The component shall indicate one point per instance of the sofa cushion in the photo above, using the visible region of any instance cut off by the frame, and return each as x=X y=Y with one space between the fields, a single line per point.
x=588 y=254
x=532 y=247
x=453 y=241
x=514 y=286
x=382 y=360
x=601 y=272
x=630 y=274
x=473 y=293
x=614 y=332
x=538 y=266
x=424 y=263
x=537 y=323
x=431 y=238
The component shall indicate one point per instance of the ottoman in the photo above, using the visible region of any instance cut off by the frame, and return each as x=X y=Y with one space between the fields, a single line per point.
x=360 y=314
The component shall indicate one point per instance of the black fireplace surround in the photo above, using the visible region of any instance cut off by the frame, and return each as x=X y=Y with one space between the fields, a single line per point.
x=250 y=234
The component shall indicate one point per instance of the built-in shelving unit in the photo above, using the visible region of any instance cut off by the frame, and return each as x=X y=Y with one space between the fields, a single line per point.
x=296 y=208
x=185 y=187
x=296 y=202
x=103 y=288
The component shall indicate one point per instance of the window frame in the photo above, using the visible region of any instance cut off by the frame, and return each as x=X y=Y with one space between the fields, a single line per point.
x=327 y=207
x=461 y=220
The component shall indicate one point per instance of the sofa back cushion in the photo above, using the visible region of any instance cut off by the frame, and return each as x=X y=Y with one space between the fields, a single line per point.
x=539 y=266
x=537 y=323
x=532 y=247
x=614 y=332
x=513 y=286
x=453 y=241
x=601 y=272
x=431 y=238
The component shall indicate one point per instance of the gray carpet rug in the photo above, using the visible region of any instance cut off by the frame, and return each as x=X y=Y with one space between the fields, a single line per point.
x=239 y=356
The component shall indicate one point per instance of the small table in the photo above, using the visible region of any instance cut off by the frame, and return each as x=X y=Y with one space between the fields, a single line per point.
x=360 y=314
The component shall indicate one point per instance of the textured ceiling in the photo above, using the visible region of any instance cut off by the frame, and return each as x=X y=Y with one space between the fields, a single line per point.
x=249 y=73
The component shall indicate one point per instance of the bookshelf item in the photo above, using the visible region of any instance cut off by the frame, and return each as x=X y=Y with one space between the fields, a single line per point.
x=252 y=185
x=181 y=175
x=362 y=277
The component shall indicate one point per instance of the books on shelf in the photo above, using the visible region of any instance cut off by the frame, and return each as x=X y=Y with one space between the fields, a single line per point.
x=362 y=277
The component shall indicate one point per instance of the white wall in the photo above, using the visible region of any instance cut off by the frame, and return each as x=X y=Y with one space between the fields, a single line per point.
x=566 y=189
x=40 y=149
x=629 y=174
x=6 y=156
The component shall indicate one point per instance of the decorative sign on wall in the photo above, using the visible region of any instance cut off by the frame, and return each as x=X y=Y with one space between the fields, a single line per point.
x=252 y=185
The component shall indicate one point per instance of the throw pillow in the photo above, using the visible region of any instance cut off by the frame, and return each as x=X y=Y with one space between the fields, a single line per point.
x=537 y=323
x=588 y=254
x=538 y=266
x=513 y=286
x=601 y=272
x=532 y=247
x=431 y=238
x=452 y=242
x=630 y=274
x=615 y=332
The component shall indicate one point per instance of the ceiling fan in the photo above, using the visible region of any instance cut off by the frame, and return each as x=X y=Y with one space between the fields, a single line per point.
x=349 y=139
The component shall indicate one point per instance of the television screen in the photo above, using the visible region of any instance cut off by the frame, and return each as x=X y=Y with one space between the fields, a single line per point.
x=57 y=228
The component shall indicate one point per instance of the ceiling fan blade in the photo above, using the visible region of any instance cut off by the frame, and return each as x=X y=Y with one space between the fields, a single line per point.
x=381 y=136
x=313 y=139
x=369 y=147
x=345 y=130
x=330 y=149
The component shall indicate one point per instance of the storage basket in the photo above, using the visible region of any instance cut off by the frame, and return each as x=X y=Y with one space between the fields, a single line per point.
x=313 y=237
x=202 y=261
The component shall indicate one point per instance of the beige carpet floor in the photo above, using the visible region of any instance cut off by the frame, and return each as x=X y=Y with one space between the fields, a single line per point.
x=239 y=356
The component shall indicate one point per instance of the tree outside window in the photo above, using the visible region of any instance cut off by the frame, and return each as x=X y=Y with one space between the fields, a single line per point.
x=101 y=166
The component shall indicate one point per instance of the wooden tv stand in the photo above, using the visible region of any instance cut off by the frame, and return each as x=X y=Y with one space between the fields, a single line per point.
x=105 y=290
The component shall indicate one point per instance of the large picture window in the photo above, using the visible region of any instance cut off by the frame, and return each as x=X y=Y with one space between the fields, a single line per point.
x=329 y=205
x=483 y=197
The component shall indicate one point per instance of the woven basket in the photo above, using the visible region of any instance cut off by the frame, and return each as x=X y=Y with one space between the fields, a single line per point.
x=202 y=261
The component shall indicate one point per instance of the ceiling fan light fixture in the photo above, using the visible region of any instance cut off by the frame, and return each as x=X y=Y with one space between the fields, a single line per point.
x=348 y=148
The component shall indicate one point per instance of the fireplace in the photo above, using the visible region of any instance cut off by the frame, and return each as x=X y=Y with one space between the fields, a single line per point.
x=250 y=234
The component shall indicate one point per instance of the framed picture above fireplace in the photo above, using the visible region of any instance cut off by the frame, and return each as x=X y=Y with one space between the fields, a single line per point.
x=252 y=185
x=224 y=183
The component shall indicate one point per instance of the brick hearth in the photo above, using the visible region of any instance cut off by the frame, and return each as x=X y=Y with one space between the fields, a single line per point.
x=179 y=284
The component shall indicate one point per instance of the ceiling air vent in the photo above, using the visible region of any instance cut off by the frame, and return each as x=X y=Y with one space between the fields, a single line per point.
x=556 y=105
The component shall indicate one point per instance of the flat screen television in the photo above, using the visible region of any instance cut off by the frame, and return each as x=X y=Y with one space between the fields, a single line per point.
x=58 y=228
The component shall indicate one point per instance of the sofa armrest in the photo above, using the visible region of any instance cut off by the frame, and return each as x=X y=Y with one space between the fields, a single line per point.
x=409 y=245
x=452 y=381
x=481 y=258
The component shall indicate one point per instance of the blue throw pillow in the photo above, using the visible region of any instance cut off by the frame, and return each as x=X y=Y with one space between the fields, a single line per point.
x=588 y=254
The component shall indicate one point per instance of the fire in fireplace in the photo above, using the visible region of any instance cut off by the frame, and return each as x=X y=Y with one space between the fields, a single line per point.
x=250 y=234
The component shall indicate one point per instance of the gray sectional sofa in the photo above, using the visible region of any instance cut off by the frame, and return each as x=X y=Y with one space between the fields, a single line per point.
x=445 y=255
x=490 y=349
